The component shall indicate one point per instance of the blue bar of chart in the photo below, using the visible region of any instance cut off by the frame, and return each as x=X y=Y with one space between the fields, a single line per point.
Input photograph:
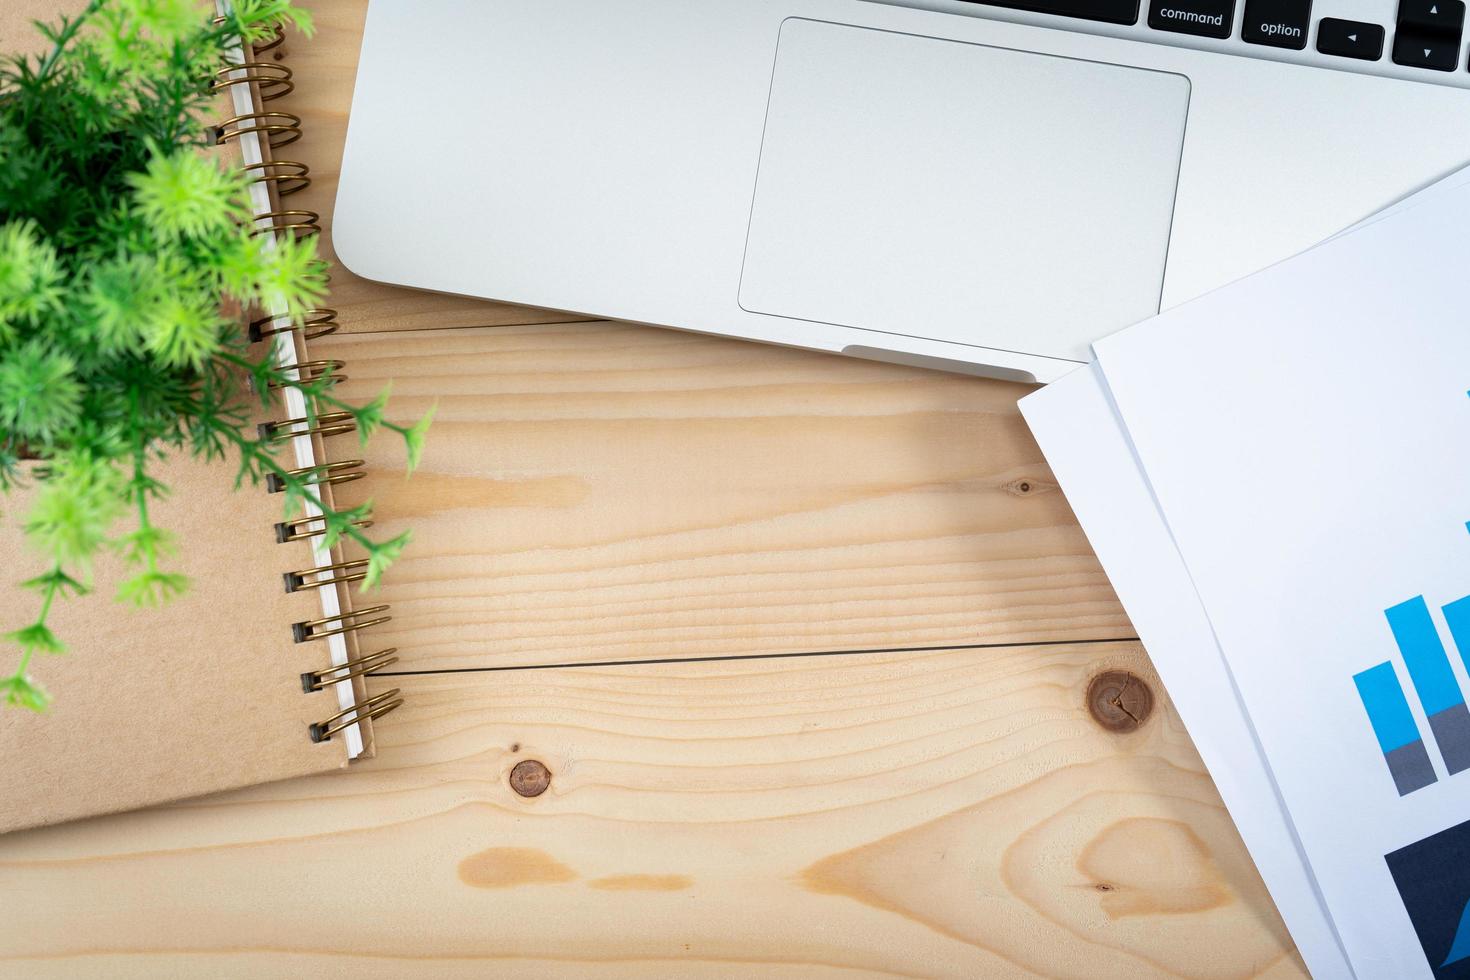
x=1434 y=680
x=1393 y=725
x=1457 y=616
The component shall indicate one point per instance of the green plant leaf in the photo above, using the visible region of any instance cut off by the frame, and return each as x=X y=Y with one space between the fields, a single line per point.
x=40 y=394
x=415 y=438
x=22 y=692
x=292 y=277
x=36 y=638
x=336 y=524
x=152 y=588
x=369 y=417
x=184 y=329
x=74 y=509
x=58 y=580
x=169 y=21
x=146 y=544
x=184 y=195
x=258 y=18
x=380 y=556
x=119 y=295
x=30 y=275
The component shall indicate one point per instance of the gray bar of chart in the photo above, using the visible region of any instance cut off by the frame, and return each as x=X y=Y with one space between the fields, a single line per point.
x=1451 y=729
x=1434 y=680
x=1410 y=767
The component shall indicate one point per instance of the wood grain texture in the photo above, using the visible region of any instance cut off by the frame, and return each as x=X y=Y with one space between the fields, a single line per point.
x=325 y=69
x=604 y=492
x=599 y=491
x=943 y=814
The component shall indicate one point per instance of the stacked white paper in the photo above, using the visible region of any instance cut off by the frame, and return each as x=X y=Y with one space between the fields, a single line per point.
x=1264 y=473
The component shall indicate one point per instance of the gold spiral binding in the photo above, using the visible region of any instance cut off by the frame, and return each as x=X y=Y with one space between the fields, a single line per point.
x=267 y=81
x=271 y=80
x=275 y=41
x=302 y=528
x=339 y=573
x=279 y=128
x=315 y=680
x=374 y=707
x=314 y=324
x=329 y=474
x=297 y=222
x=287 y=176
x=347 y=622
x=326 y=424
x=308 y=372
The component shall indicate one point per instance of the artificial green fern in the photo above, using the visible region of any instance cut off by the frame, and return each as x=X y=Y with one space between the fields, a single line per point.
x=122 y=244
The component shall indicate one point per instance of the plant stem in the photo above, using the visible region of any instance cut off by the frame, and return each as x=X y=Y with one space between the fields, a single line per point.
x=52 y=588
x=63 y=38
x=336 y=402
x=140 y=491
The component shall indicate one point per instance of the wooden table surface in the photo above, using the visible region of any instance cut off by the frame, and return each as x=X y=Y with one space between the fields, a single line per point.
x=803 y=642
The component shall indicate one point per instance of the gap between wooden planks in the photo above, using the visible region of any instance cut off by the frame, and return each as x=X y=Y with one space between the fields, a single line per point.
x=952 y=813
x=605 y=492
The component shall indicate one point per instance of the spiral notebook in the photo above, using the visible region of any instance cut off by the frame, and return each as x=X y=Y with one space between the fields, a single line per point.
x=259 y=671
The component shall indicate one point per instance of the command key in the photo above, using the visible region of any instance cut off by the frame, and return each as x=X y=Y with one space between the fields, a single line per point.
x=1204 y=18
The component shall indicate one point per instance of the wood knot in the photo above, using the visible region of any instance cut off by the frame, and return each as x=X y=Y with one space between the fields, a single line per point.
x=530 y=778
x=1119 y=701
x=1027 y=487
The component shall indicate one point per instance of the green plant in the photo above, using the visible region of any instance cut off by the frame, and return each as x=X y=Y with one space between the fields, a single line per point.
x=122 y=243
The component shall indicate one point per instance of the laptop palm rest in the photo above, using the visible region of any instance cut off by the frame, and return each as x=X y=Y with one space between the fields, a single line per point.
x=973 y=194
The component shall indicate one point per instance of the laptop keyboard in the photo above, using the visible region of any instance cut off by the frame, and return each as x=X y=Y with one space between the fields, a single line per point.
x=1427 y=35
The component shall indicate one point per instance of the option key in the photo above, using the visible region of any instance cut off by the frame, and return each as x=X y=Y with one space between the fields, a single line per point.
x=1278 y=23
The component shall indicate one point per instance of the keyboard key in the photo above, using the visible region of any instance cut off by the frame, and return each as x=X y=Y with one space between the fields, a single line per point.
x=1425 y=51
x=1350 y=39
x=1432 y=17
x=1107 y=11
x=1278 y=23
x=1203 y=18
x=1428 y=35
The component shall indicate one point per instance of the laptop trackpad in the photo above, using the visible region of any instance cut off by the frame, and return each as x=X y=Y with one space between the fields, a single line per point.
x=973 y=194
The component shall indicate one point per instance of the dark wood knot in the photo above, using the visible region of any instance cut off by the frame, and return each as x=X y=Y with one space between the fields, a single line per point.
x=1027 y=487
x=530 y=778
x=1119 y=701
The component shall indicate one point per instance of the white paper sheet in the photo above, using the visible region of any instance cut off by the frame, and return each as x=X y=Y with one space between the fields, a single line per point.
x=1088 y=451
x=1306 y=433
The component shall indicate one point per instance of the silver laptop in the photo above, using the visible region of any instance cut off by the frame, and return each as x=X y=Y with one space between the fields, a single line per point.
x=977 y=187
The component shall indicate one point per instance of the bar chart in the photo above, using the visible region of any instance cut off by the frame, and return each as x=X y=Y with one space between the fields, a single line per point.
x=1435 y=686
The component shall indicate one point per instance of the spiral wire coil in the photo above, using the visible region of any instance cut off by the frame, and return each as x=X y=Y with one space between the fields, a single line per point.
x=268 y=81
